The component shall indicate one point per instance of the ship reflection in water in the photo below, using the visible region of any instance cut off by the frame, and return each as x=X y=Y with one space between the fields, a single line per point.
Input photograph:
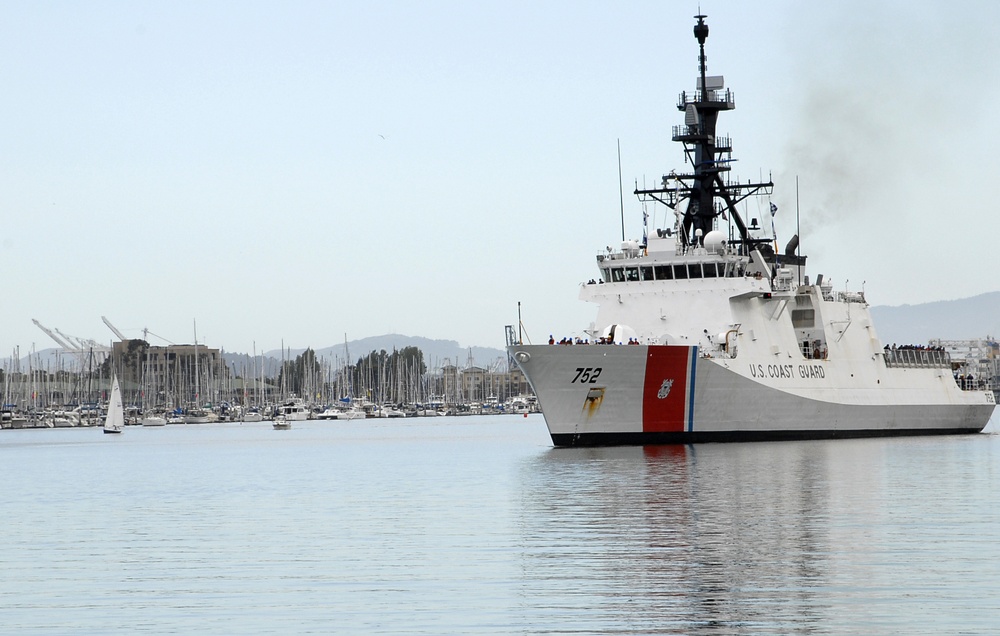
x=758 y=538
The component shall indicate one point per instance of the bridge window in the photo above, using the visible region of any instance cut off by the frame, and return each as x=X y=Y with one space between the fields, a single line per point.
x=663 y=272
x=631 y=273
x=694 y=270
x=646 y=273
x=680 y=272
x=617 y=275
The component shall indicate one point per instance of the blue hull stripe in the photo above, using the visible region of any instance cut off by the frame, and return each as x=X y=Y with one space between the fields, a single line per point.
x=691 y=377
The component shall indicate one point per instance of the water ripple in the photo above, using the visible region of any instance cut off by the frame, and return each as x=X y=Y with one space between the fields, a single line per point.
x=478 y=526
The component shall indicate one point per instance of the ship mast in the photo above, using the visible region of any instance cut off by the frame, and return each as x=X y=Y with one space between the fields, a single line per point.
x=701 y=210
x=707 y=193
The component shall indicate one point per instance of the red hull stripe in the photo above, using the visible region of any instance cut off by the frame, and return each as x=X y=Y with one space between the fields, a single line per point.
x=668 y=389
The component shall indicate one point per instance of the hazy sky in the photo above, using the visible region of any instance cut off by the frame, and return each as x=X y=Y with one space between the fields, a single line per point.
x=298 y=171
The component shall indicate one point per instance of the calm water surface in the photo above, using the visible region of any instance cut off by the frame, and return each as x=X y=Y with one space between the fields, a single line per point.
x=476 y=525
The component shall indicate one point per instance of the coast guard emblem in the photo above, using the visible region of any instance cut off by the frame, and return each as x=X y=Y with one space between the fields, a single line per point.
x=664 y=389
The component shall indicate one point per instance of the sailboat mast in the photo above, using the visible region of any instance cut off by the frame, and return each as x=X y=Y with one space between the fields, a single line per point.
x=197 y=381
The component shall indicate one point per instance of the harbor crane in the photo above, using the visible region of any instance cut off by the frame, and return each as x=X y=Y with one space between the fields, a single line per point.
x=146 y=333
x=59 y=341
x=79 y=347
x=113 y=328
x=84 y=343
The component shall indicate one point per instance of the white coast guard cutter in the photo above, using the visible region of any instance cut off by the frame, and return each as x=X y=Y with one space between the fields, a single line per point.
x=733 y=340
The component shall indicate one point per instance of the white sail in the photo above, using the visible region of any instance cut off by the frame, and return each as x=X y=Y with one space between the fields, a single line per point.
x=115 y=421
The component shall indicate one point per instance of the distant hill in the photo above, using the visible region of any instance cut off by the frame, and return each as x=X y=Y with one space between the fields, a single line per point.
x=436 y=352
x=962 y=319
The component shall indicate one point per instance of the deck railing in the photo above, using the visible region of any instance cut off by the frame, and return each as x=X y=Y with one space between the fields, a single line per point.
x=917 y=358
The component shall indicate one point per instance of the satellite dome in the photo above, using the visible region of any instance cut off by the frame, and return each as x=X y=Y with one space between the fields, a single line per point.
x=715 y=242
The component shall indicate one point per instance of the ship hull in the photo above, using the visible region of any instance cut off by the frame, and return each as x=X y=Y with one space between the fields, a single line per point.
x=595 y=395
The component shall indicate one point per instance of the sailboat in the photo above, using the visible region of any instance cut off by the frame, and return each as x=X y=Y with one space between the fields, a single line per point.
x=282 y=421
x=115 y=421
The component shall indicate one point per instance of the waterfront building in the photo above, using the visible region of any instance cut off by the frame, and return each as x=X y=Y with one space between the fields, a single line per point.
x=172 y=375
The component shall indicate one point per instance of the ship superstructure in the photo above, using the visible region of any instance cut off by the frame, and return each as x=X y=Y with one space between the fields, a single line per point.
x=730 y=339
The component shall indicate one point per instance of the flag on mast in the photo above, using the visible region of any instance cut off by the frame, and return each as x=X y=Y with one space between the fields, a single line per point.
x=774 y=210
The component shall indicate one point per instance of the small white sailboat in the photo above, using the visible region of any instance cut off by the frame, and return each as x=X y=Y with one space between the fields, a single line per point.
x=115 y=420
x=253 y=415
x=354 y=412
x=154 y=419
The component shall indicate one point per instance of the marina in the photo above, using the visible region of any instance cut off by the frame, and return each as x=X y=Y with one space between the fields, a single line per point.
x=193 y=384
x=357 y=410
